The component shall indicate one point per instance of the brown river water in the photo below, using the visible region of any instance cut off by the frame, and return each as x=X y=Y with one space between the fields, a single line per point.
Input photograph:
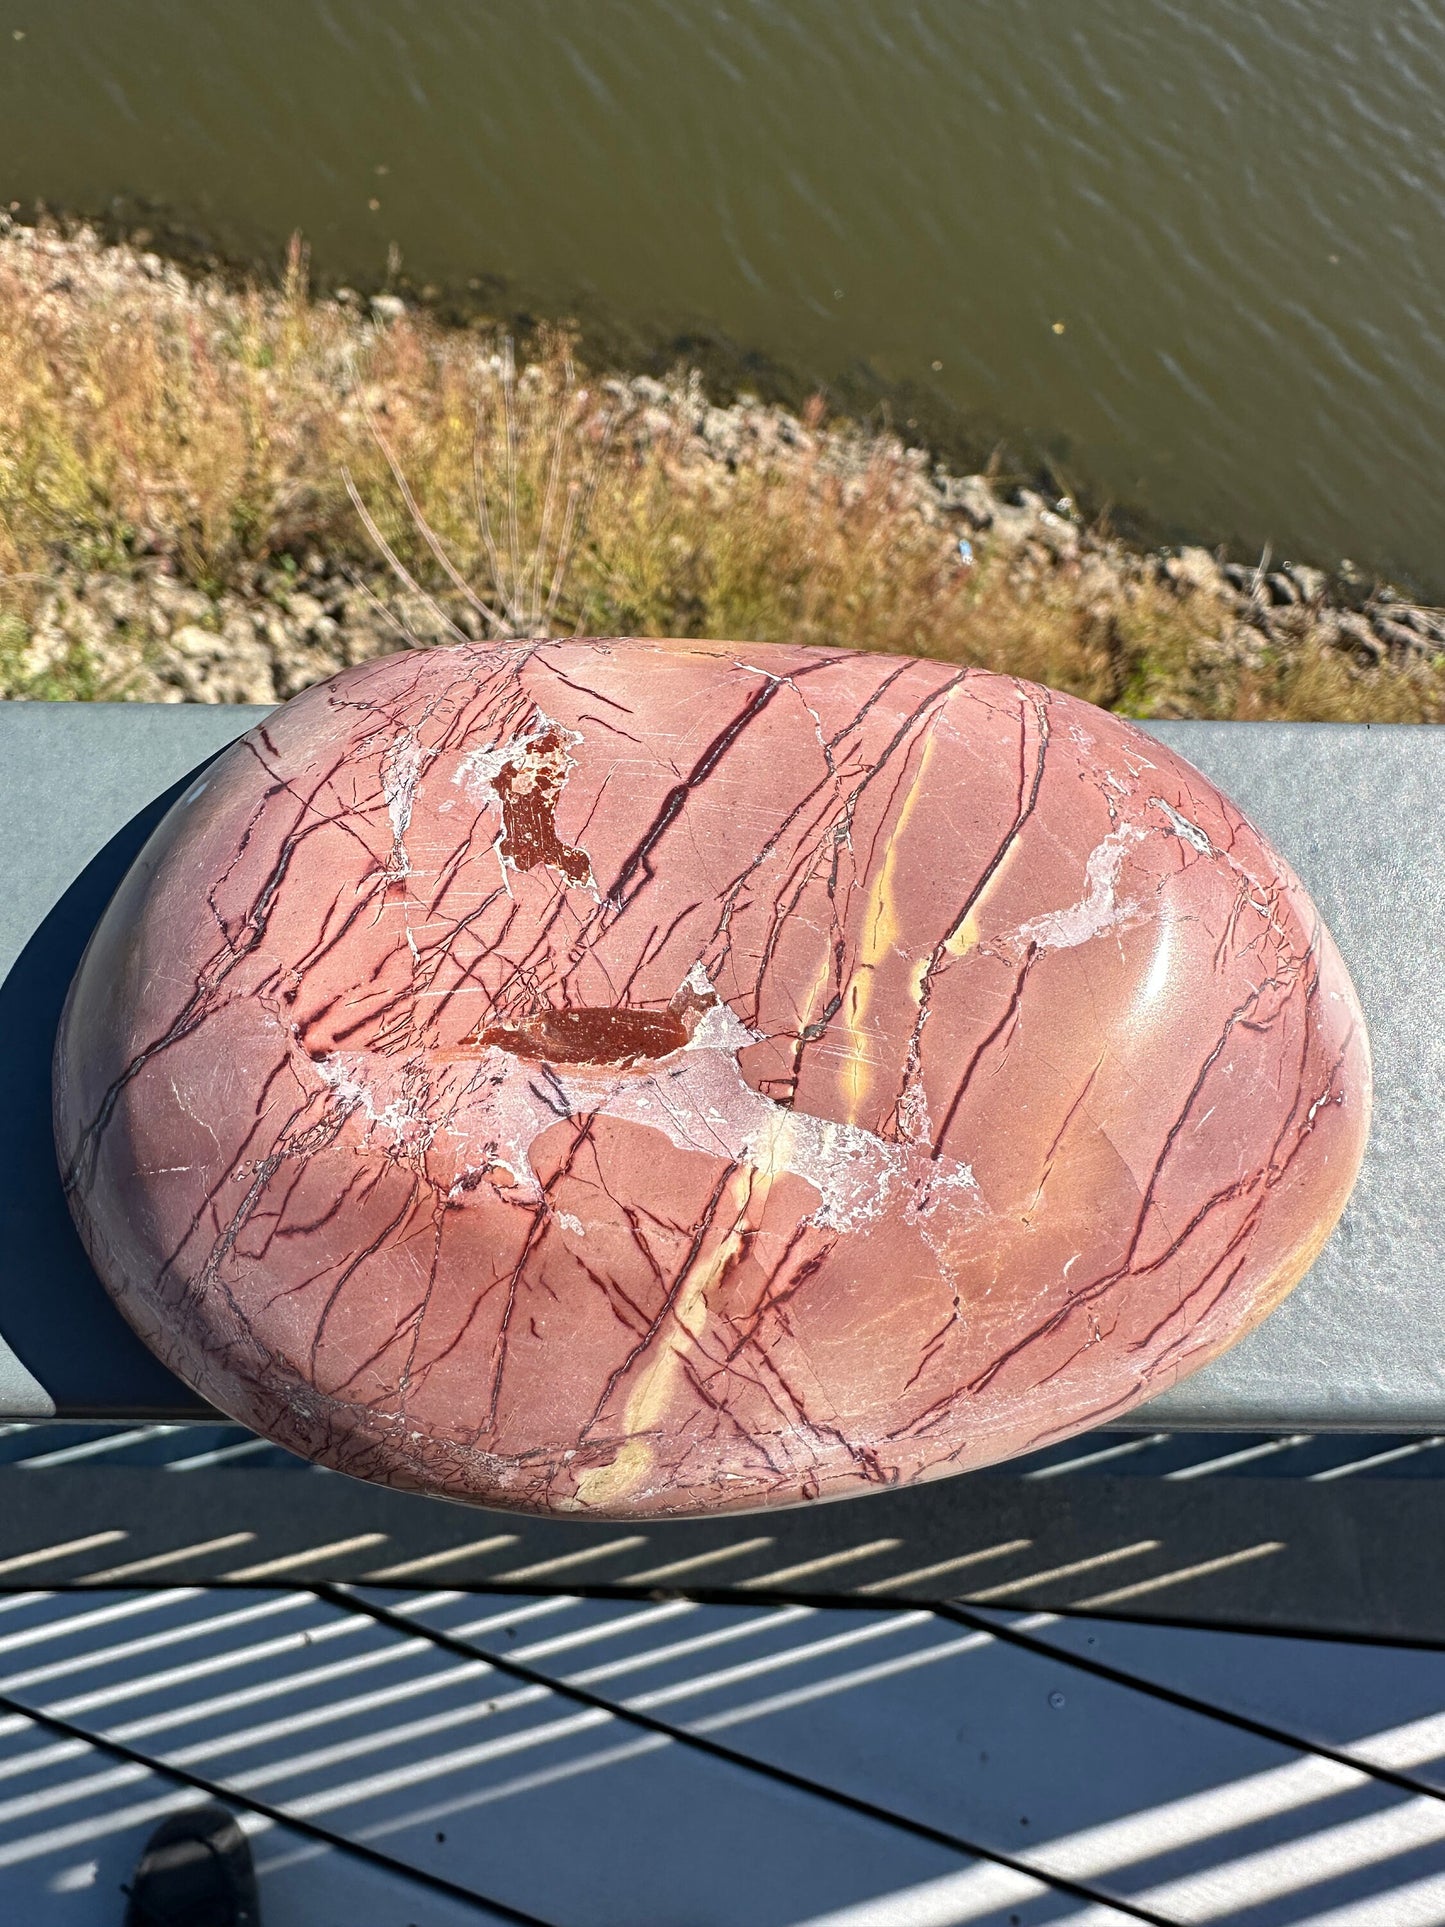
x=1190 y=251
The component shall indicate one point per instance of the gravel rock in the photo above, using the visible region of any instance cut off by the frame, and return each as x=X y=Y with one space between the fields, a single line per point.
x=1353 y=632
x=366 y=630
x=1059 y=537
x=1427 y=625
x=1399 y=636
x=304 y=610
x=177 y=605
x=969 y=496
x=1195 y=569
x=232 y=666
x=1313 y=584
x=1282 y=592
x=48 y=649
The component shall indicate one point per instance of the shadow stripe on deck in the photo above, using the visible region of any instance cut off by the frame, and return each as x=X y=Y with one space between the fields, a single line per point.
x=279 y=1816
x=568 y=1626
x=703 y=1743
x=1042 y=1882
x=1353 y=1776
x=993 y=1626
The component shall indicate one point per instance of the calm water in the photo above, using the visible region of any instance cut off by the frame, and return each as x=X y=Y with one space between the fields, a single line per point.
x=1236 y=208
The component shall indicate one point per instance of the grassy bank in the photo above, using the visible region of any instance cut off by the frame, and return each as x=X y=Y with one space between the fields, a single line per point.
x=196 y=486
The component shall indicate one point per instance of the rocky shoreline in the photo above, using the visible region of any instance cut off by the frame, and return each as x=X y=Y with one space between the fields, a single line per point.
x=144 y=632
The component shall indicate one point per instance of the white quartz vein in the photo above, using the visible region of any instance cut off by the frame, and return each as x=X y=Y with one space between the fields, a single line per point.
x=494 y=1110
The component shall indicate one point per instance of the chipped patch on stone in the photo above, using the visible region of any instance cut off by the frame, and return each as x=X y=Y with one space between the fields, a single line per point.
x=524 y=779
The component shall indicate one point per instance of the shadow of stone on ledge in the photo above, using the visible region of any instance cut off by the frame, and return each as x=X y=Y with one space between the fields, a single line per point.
x=54 y=1312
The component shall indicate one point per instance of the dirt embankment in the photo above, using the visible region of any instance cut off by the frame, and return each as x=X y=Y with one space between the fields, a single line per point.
x=176 y=522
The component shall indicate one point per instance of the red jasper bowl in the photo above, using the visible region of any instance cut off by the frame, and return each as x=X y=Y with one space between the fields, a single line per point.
x=635 y=1078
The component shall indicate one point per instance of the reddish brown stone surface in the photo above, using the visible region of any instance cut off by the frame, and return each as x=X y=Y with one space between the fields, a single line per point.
x=633 y=1077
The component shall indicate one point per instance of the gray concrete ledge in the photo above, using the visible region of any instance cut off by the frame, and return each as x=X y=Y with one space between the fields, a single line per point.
x=1358 y=811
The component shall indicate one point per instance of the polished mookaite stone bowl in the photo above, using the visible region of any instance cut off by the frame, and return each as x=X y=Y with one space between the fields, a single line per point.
x=649 y=1077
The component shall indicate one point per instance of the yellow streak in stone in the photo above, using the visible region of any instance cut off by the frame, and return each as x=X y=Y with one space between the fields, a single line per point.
x=880 y=935
x=966 y=935
x=963 y=938
x=768 y=1160
x=1287 y=1273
